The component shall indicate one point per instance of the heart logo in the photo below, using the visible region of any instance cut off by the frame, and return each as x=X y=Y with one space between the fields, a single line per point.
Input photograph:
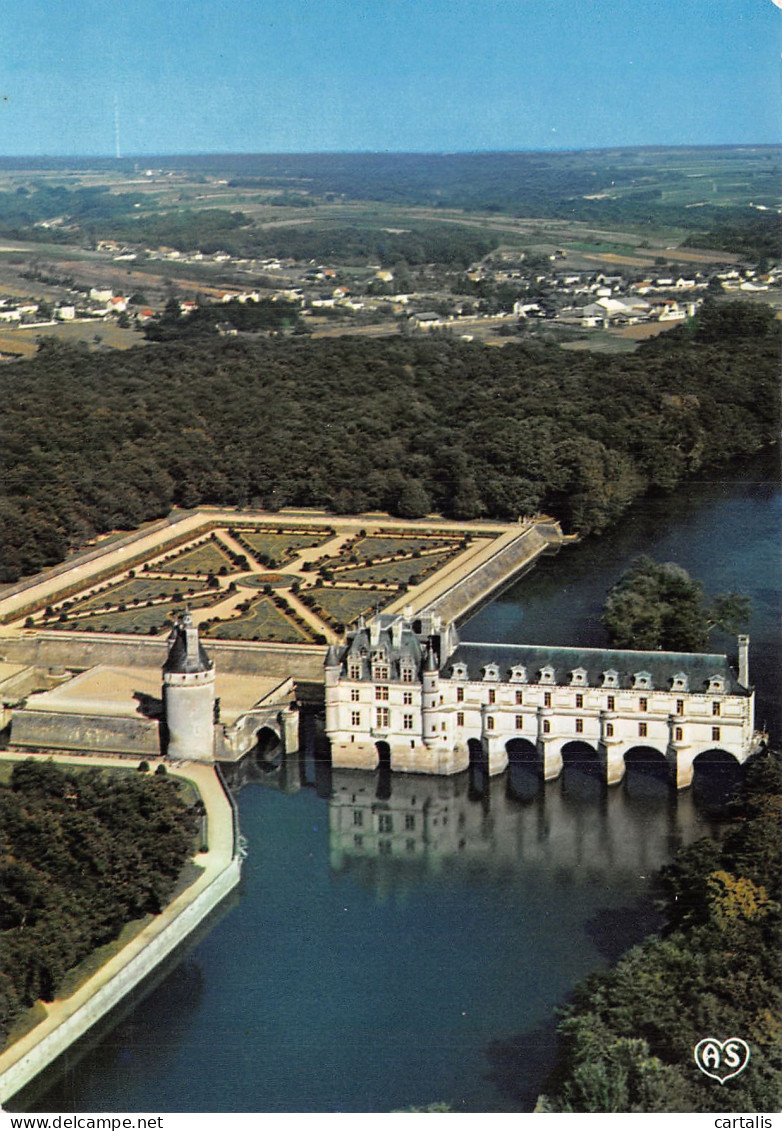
x=721 y=1059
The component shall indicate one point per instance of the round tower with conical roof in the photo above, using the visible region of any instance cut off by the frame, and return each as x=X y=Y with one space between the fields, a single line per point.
x=188 y=695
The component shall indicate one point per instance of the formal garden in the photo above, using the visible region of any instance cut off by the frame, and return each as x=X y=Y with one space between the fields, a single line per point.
x=259 y=582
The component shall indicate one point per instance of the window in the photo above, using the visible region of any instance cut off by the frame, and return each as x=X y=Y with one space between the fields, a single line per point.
x=519 y=698
x=579 y=701
x=355 y=718
x=492 y=696
x=407 y=675
x=519 y=722
x=354 y=671
x=358 y=840
x=410 y=845
x=384 y=847
x=715 y=734
x=407 y=698
x=407 y=722
x=547 y=699
x=546 y=726
x=611 y=704
x=643 y=704
x=385 y=823
x=677 y=734
x=609 y=730
x=679 y=706
x=355 y=695
x=381 y=692
x=715 y=708
x=579 y=726
x=358 y=817
x=490 y=722
x=381 y=671
x=382 y=717
x=642 y=729
x=459 y=694
x=409 y=821
x=460 y=718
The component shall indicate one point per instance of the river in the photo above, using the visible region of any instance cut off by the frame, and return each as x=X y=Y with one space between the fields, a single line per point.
x=361 y=974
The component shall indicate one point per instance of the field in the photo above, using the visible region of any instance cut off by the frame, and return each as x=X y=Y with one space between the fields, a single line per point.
x=344 y=606
x=279 y=547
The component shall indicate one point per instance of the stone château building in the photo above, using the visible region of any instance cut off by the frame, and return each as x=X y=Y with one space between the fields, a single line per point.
x=411 y=695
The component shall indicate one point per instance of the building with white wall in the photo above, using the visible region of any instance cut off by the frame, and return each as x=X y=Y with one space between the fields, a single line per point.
x=409 y=693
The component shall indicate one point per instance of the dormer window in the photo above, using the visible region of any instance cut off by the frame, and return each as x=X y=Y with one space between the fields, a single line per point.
x=642 y=681
x=716 y=685
x=611 y=678
x=407 y=673
x=547 y=674
x=578 y=677
x=680 y=682
x=354 y=670
x=380 y=671
x=459 y=671
x=491 y=671
x=518 y=674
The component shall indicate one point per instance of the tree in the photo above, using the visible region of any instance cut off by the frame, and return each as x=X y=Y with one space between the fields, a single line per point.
x=659 y=606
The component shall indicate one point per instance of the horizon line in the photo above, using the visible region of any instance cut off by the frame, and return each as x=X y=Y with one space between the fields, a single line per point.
x=107 y=156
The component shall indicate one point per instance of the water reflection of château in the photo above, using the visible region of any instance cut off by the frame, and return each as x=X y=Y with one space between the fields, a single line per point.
x=390 y=829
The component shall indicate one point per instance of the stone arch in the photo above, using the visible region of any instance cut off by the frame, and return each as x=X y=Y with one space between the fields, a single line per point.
x=717 y=774
x=646 y=768
x=268 y=746
x=521 y=750
x=524 y=773
x=578 y=752
x=383 y=754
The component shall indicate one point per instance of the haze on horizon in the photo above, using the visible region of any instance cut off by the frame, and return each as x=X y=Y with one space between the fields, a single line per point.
x=256 y=76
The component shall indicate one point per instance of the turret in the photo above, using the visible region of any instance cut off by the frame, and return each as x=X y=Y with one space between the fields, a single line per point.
x=188 y=695
x=744 y=661
x=430 y=692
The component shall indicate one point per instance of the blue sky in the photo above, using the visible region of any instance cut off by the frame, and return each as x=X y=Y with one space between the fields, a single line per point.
x=398 y=75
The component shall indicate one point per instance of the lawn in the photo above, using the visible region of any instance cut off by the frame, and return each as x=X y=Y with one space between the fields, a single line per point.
x=343 y=606
x=380 y=547
x=397 y=573
x=208 y=557
x=280 y=547
x=137 y=589
x=263 y=621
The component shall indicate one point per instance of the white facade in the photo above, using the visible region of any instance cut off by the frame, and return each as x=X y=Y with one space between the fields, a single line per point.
x=428 y=704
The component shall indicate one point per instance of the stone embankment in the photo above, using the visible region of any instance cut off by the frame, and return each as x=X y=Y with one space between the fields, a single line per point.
x=461 y=593
x=68 y=1019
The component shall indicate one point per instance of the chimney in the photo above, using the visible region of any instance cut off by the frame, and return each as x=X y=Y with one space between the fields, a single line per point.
x=744 y=661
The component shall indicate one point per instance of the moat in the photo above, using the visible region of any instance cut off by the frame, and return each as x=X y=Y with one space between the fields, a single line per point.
x=348 y=978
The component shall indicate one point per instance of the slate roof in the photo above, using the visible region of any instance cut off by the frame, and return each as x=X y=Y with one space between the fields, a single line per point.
x=178 y=659
x=360 y=647
x=662 y=666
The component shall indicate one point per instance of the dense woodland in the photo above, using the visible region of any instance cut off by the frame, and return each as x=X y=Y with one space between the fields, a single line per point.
x=82 y=852
x=715 y=969
x=91 y=442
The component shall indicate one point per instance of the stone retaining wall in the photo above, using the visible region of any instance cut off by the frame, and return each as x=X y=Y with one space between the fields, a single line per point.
x=85 y=1015
x=80 y=650
x=500 y=569
x=60 y=730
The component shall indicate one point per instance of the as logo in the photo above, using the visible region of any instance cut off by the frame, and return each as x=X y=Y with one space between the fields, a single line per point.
x=721 y=1059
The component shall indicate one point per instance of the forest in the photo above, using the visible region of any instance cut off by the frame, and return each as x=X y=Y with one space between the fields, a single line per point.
x=82 y=852
x=91 y=442
x=627 y=1037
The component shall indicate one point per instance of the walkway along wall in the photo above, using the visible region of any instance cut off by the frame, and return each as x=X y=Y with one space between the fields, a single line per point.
x=34 y=1052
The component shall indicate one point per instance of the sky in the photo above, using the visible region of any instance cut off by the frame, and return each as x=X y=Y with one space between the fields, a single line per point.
x=273 y=76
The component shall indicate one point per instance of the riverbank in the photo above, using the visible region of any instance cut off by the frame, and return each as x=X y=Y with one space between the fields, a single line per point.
x=68 y=1019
